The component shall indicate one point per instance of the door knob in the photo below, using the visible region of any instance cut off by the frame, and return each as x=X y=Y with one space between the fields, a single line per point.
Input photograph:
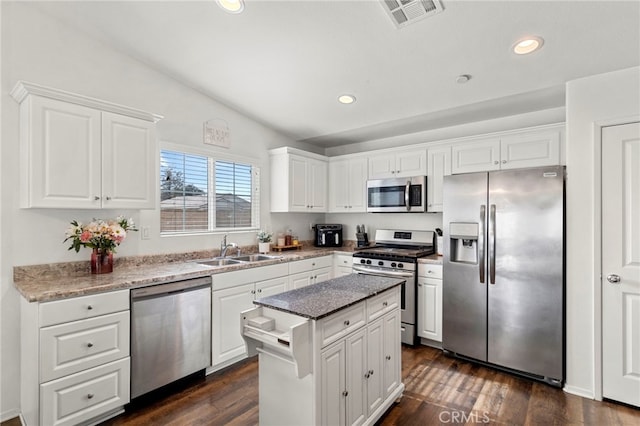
x=613 y=278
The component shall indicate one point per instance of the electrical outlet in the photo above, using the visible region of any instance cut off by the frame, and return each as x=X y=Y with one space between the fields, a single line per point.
x=311 y=227
x=146 y=233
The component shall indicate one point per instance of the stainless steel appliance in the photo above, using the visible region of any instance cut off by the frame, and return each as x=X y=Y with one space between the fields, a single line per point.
x=395 y=254
x=328 y=236
x=503 y=286
x=403 y=195
x=170 y=332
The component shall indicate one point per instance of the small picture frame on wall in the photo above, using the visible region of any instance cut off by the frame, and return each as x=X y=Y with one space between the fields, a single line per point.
x=216 y=132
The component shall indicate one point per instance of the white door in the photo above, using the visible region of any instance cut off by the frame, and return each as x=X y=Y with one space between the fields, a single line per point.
x=411 y=163
x=298 y=201
x=317 y=185
x=339 y=191
x=357 y=185
x=333 y=387
x=621 y=263
x=356 y=368
x=300 y=280
x=438 y=166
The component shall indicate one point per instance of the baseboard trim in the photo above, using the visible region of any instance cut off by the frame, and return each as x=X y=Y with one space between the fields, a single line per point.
x=10 y=414
x=574 y=390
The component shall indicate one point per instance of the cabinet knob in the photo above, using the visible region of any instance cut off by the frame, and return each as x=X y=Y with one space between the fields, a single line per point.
x=393 y=172
x=385 y=304
x=345 y=393
x=90 y=396
x=367 y=375
x=89 y=307
x=504 y=161
x=346 y=323
x=108 y=198
x=419 y=285
x=259 y=290
x=496 y=162
x=253 y=292
x=429 y=271
x=388 y=357
x=370 y=372
x=89 y=345
x=96 y=198
x=397 y=171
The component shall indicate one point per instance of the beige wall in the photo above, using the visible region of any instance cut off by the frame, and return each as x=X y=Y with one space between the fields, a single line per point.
x=591 y=102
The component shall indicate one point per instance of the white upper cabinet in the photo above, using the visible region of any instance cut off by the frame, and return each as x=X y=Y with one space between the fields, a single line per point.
x=298 y=181
x=348 y=185
x=403 y=163
x=78 y=152
x=438 y=166
x=514 y=151
x=476 y=156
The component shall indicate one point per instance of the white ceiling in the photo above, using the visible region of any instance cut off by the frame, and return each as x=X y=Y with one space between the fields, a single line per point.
x=285 y=62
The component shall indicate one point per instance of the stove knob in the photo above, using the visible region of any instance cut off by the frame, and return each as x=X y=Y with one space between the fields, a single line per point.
x=400 y=265
x=393 y=264
x=368 y=262
x=362 y=261
x=380 y=263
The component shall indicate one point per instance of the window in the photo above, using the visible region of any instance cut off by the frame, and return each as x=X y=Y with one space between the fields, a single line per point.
x=202 y=194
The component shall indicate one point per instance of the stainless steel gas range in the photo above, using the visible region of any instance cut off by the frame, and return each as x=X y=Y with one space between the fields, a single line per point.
x=395 y=254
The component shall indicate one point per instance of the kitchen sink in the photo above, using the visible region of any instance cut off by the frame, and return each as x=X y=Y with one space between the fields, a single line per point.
x=255 y=257
x=219 y=262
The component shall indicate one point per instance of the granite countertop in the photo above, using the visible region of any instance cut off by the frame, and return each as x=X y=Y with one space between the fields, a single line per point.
x=40 y=283
x=322 y=299
x=433 y=259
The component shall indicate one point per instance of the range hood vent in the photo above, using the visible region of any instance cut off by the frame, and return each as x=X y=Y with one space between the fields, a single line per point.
x=405 y=12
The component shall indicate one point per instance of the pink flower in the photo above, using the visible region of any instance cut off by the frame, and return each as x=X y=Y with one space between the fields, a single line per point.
x=85 y=236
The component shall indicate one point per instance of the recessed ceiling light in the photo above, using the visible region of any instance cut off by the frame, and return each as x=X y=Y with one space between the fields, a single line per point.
x=232 y=6
x=346 y=99
x=528 y=45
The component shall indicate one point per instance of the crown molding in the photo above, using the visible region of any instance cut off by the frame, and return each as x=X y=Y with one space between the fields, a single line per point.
x=23 y=89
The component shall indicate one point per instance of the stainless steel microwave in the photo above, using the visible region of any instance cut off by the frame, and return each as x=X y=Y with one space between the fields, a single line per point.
x=399 y=195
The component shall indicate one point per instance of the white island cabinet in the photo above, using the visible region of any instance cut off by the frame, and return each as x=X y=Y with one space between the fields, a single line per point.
x=333 y=360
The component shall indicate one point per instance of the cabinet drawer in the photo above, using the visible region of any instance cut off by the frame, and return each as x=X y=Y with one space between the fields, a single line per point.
x=309 y=264
x=343 y=260
x=84 y=307
x=82 y=396
x=383 y=303
x=430 y=270
x=75 y=346
x=342 y=323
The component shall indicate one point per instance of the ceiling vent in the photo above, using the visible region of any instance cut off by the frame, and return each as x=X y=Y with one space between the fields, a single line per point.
x=405 y=12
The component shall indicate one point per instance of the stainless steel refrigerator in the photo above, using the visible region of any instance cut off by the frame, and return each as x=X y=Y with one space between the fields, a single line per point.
x=503 y=289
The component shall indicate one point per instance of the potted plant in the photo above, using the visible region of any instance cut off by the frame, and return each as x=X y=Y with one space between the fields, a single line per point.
x=264 y=240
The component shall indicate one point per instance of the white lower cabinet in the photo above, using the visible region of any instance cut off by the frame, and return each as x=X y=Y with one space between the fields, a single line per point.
x=310 y=271
x=343 y=369
x=360 y=372
x=430 y=302
x=75 y=364
x=234 y=292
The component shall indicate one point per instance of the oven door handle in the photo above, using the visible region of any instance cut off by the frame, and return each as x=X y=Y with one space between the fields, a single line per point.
x=360 y=269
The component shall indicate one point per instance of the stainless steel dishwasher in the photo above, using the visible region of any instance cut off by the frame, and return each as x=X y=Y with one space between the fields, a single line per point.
x=170 y=332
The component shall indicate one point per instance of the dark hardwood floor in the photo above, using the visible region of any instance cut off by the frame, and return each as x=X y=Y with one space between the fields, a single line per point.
x=439 y=390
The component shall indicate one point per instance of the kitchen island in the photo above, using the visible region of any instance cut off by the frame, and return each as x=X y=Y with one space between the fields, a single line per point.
x=329 y=353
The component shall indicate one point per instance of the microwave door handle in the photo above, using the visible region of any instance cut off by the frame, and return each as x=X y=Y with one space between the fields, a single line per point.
x=406 y=195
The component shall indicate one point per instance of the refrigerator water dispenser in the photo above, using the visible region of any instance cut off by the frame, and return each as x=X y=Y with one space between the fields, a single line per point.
x=463 y=242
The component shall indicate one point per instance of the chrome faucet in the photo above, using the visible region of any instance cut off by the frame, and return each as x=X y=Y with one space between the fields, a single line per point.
x=224 y=246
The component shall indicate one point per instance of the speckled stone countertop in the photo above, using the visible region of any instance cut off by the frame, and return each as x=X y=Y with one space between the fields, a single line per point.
x=434 y=259
x=322 y=299
x=40 y=283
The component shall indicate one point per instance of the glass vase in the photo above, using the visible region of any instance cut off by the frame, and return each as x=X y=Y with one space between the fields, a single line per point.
x=101 y=261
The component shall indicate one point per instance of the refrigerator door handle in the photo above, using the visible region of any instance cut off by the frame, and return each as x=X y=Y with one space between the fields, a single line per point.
x=492 y=244
x=481 y=263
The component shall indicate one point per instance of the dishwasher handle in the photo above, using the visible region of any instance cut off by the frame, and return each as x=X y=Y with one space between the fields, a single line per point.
x=170 y=287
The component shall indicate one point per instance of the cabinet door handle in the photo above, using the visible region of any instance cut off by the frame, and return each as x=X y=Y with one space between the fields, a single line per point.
x=346 y=323
x=367 y=375
x=370 y=373
x=385 y=304
x=90 y=396
x=388 y=357
x=345 y=393
x=253 y=292
x=108 y=198
x=89 y=307
x=504 y=161
x=89 y=345
x=259 y=290
x=496 y=162
x=96 y=198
